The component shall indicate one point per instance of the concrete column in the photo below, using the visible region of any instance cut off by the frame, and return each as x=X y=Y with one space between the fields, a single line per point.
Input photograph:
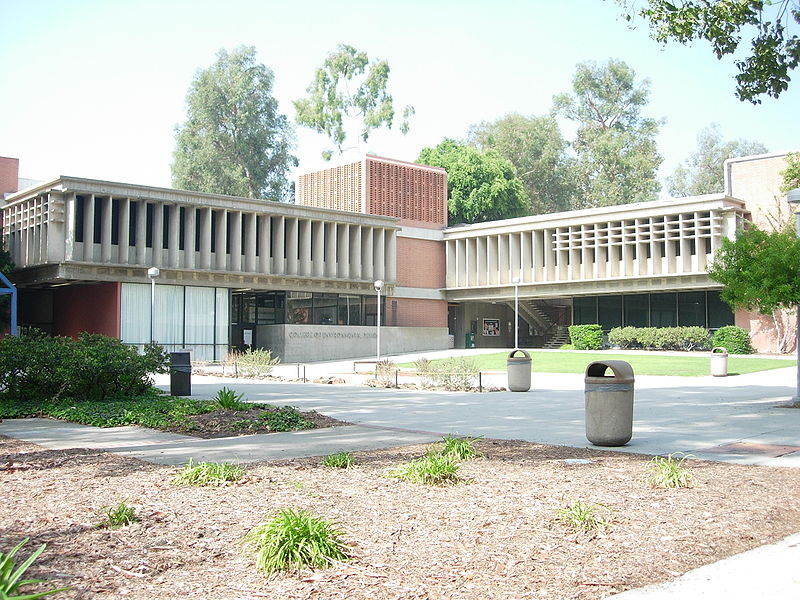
x=367 y=272
x=69 y=227
x=141 y=233
x=471 y=266
x=379 y=245
x=480 y=260
x=291 y=246
x=235 y=217
x=391 y=255
x=503 y=262
x=88 y=228
x=330 y=249
x=526 y=256
x=221 y=247
x=124 y=225
x=343 y=251
x=456 y=261
x=189 y=236
x=250 y=242
x=317 y=248
x=158 y=234
x=304 y=235
x=587 y=260
x=355 y=252
x=279 y=245
x=700 y=241
x=685 y=262
x=105 y=229
x=205 y=237
x=173 y=239
x=264 y=244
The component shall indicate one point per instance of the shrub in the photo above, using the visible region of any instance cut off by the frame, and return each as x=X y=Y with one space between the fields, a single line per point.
x=385 y=370
x=582 y=516
x=230 y=400
x=11 y=576
x=566 y=347
x=734 y=339
x=294 y=539
x=586 y=337
x=253 y=361
x=207 y=474
x=430 y=470
x=660 y=338
x=339 y=460
x=119 y=516
x=669 y=472
x=455 y=373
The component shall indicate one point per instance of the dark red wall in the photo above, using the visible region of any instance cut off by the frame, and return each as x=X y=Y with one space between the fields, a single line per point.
x=93 y=308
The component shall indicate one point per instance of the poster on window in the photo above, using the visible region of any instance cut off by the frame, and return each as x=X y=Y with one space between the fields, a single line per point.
x=491 y=327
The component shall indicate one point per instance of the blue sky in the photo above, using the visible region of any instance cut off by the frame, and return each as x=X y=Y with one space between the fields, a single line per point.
x=95 y=88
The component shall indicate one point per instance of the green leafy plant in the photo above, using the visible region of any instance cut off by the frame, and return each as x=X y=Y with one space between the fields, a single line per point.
x=660 y=338
x=670 y=472
x=230 y=400
x=11 y=576
x=734 y=339
x=253 y=362
x=208 y=474
x=339 y=460
x=429 y=470
x=294 y=539
x=586 y=337
x=119 y=516
x=582 y=516
x=454 y=373
x=456 y=448
x=286 y=419
x=566 y=347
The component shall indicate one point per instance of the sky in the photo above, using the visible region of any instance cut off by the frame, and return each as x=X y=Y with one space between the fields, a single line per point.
x=95 y=88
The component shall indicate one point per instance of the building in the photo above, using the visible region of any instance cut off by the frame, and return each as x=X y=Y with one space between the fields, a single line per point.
x=299 y=279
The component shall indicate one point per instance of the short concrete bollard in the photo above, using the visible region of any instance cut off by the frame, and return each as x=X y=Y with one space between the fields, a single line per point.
x=719 y=362
x=519 y=371
x=609 y=403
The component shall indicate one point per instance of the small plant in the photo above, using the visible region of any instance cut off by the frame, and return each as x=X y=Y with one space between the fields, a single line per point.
x=429 y=470
x=456 y=448
x=582 y=516
x=669 y=472
x=11 y=576
x=455 y=373
x=207 y=474
x=252 y=362
x=294 y=539
x=286 y=419
x=339 y=460
x=230 y=400
x=119 y=516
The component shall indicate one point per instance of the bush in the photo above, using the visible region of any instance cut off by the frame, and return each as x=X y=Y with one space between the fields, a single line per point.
x=660 y=338
x=253 y=362
x=734 y=339
x=36 y=367
x=586 y=337
x=455 y=373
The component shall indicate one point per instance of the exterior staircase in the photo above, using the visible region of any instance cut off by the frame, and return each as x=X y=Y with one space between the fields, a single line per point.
x=532 y=312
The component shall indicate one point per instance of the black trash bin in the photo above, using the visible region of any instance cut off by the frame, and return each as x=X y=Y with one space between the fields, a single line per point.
x=609 y=403
x=180 y=374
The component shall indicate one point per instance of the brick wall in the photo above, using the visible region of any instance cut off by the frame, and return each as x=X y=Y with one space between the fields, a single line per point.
x=414 y=312
x=757 y=181
x=92 y=308
x=339 y=188
x=420 y=263
x=9 y=175
x=416 y=194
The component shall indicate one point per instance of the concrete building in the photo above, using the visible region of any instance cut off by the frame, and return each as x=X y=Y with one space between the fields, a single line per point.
x=298 y=279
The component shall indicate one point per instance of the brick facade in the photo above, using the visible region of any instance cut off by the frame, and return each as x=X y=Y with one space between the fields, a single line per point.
x=9 y=175
x=416 y=312
x=420 y=263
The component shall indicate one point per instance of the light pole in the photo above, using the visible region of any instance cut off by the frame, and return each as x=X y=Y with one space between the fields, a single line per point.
x=378 y=287
x=153 y=274
x=515 y=281
x=794 y=200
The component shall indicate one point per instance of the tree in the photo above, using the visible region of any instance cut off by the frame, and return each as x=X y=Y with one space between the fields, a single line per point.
x=481 y=185
x=536 y=148
x=234 y=140
x=774 y=50
x=791 y=174
x=703 y=171
x=759 y=271
x=348 y=98
x=615 y=145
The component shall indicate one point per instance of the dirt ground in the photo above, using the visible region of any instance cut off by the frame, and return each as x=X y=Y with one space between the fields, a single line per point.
x=493 y=536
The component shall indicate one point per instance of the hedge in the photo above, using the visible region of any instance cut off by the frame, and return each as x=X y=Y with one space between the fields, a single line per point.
x=734 y=339
x=586 y=337
x=660 y=338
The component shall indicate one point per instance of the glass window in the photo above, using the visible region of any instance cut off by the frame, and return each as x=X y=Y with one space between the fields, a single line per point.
x=584 y=310
x=350 y=310
x=719 y=313
x=692 y=309
x=249 y=309
x=663 y=310
x=609 y=311
x=298 y=307
x=236 y=302
x=371 y=310
x=269 y=308
x=636 y=310
x=324 y=312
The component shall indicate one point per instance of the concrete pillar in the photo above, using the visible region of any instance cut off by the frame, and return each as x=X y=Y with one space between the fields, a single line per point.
x=291 y=246
x=205 y=237
x=279 y=245
x=480 y=260
x=355 y=252
x=158 y=234
x=304 y=235
x=317 y=248
x=124 y=225
x=367 y=272
x=141 y=233
x=69 y=227
x=503 y=262
x=105 y=229
x=391 y=255
x=189 y=236
x=88 y=228
x=235 y=218
x=221 y=246
x=343 y=251
x=264 y=244
x=250 y=242
x=173 y=239
x=330 y=249
x=379 y=245
x=471 y=267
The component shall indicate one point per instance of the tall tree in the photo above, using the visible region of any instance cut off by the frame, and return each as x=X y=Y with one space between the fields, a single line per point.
x=349 y=98
x=481 y=185
x=791 y=174
x=774 y=49
x=615 y=145
x=759 y=271
x=702 y=173
x=234 y=140
x=538 y=151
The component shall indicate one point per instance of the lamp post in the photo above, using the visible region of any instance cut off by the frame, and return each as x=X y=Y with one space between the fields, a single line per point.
x=794 y=200
x=153 y=274
x=515 y=281
x=378 y=287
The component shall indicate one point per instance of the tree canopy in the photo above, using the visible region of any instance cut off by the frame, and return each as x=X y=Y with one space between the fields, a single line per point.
x=539 y=153
x=234 y=140
x=615 y=145
x=791 y=174
x=481 y=185
x=774 y=49
x=702 y=173
x=349 y=98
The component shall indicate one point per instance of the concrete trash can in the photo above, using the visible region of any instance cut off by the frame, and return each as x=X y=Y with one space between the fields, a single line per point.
x=519 y=371
x=180 y=374
x=719 y=362
x=609 y=403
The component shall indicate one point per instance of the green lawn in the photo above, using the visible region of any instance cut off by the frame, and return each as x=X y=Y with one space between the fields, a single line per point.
x=691 y=365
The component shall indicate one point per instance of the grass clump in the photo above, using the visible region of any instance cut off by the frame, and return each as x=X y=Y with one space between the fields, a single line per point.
x=433 y=469
x=294 y=539
x=286 y=419
x=582 y=516
x=339 y=460
x=669 y=472
x=230 y=400
x=119 y=516
x=208 y=474
x=11 y=575
x=456 y=448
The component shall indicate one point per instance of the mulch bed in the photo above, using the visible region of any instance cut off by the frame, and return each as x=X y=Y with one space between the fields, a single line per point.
x=494 y=536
